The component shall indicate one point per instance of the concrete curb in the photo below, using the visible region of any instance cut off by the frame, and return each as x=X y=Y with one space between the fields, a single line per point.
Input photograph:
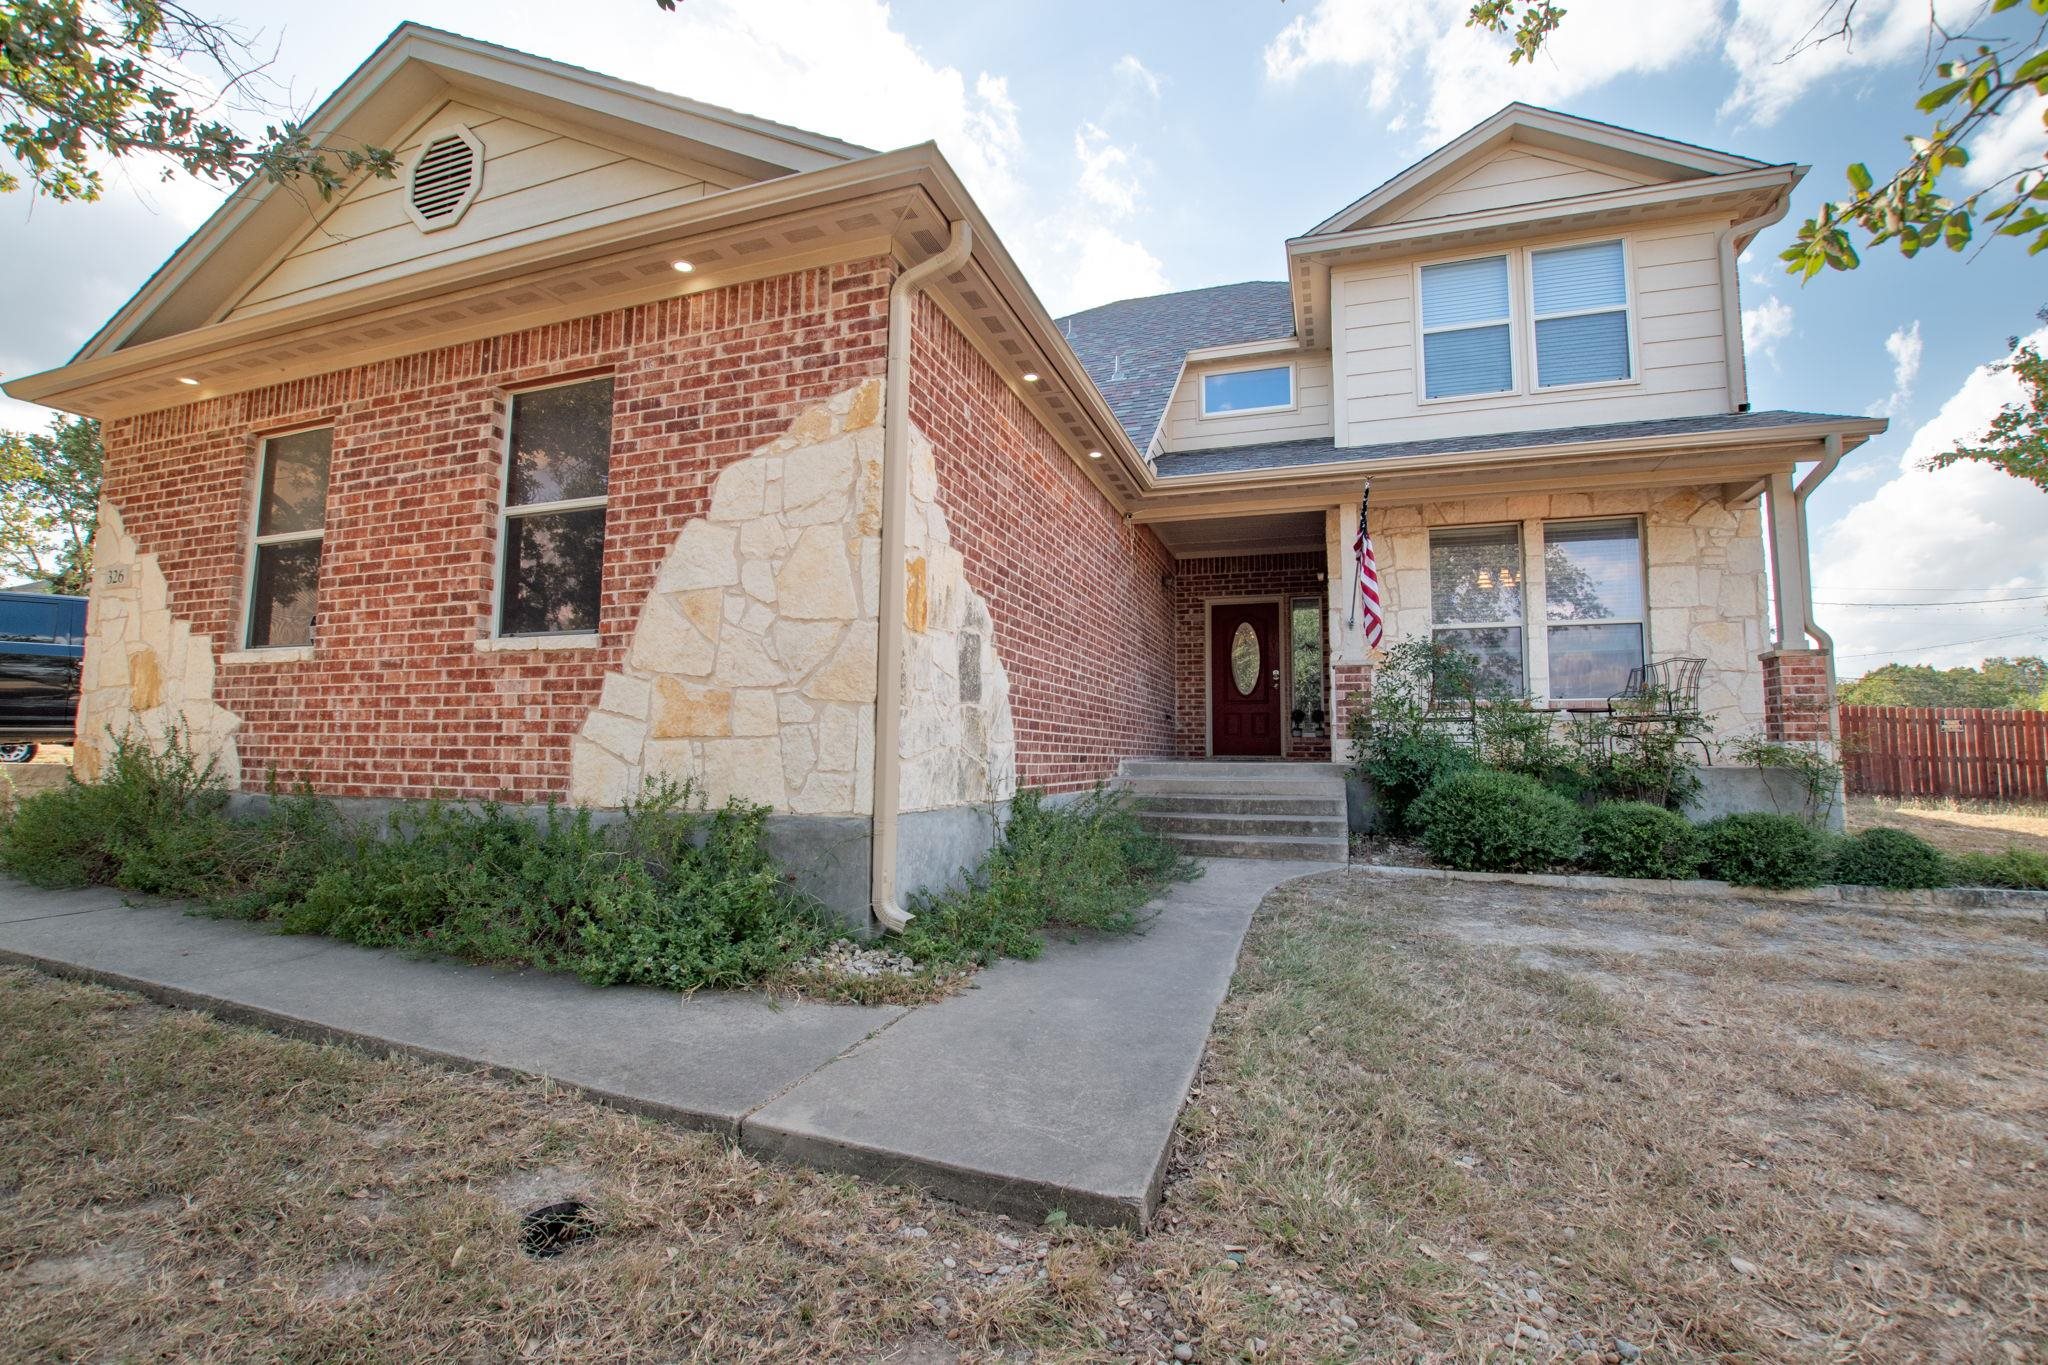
x=1996 y=902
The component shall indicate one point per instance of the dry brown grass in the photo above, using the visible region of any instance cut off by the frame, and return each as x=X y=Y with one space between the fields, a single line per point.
x=1955 y=826
x=1434 y=1119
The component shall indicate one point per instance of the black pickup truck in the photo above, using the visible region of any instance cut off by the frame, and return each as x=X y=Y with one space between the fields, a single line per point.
x=42 y=641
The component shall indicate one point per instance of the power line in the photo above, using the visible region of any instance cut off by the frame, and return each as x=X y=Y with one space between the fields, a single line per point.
x=1946 y=644
x=1912 y=587
x=1957 y=602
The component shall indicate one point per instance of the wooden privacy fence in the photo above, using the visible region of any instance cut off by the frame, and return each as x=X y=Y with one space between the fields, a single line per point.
x=1945 y=751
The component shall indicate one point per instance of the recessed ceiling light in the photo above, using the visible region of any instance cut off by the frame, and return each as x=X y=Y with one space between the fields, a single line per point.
x=183 y=380
x=682 y=267
x=1094 y=454
x=1031 y=376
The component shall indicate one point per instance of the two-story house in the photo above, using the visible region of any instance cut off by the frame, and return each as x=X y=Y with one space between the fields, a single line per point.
x=621 y=437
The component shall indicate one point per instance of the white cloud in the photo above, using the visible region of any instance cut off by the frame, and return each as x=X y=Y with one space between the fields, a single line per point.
x=1765 y=325
x=1106 y=175
x=1905 y=348
x=1467 y=69
x=1780 y=50
x=1136 y=74
x=1966 y=527
x=2015 y=140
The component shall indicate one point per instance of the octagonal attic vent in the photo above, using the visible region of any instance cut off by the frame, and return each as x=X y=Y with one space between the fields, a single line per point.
x=444 y=179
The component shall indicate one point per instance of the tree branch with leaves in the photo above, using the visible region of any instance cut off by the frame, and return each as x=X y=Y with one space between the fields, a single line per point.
x=49 y=503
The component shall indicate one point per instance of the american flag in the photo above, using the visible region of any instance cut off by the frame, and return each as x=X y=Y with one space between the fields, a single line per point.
x=1368 y=572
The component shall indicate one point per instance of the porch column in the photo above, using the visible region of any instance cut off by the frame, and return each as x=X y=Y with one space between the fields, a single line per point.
x=1798 y=707
x=1350 y=660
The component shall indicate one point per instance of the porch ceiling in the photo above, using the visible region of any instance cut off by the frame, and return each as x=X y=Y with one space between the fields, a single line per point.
x=1273 y=533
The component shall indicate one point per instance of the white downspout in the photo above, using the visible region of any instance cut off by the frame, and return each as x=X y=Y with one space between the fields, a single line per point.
x=894 y=575
x=1831 y=455
x=1731 y=300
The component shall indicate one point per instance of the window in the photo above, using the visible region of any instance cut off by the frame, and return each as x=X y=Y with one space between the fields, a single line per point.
x=1581 y=312
x=291 y=520
x=1475 y=599
x=1466 y=346
x=1593 y=603
x=1236 y=391
x=557 y=469
x=1305 y=637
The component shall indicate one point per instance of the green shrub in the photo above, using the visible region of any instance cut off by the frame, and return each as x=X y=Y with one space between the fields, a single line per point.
x=1636 y=839
x=1403 y=764
x=152 y=823
x=1756 y=848
x=2016 y=869
x=1087 y=864
x=1489 y=821
x=1889 y=858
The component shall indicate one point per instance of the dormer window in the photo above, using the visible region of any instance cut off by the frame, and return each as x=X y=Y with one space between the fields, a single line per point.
x=1467 y=342
x=1231 y=392
x=1581 y=311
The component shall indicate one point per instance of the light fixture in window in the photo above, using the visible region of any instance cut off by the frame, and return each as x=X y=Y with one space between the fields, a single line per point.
x=681 y=267
x=186 y=379
x=1031 y=376
x=444 y=178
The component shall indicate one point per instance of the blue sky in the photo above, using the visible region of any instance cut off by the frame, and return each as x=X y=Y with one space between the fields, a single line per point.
x=1131 y=148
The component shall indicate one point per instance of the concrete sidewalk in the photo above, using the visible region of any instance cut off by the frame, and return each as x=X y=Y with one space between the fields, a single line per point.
x=1051 y=1084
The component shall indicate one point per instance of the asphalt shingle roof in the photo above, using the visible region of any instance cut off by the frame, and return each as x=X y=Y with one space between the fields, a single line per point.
x=1291 y=454
x=1133 y=349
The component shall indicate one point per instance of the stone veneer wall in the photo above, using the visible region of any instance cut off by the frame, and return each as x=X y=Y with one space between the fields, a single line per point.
x=1195 y=583
x=403 y=695
x=752 y=667
x=1706 y=578
x=1082 y=613
x=146 y=671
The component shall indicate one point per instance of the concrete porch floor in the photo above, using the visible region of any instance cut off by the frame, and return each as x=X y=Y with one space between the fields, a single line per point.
x=1054 y=1084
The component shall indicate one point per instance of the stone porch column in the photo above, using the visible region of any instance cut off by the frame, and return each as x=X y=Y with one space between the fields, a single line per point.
x=1799 y=703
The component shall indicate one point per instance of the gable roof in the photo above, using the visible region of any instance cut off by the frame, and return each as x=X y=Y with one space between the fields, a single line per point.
x=1134 y=349
x=1642 y=154
x=378 y=104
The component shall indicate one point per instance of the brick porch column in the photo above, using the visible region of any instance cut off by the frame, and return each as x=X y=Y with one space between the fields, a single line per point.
x=1350 y=694
x=1797 y=707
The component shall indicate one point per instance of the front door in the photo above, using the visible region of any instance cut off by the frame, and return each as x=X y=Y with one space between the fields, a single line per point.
x=1244 y=678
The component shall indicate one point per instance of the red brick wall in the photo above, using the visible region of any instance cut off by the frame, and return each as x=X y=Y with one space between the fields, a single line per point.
x=1796 y=703
x=1083 y=618
x=1196 y=583
x=1353 y=686
x=397 y=700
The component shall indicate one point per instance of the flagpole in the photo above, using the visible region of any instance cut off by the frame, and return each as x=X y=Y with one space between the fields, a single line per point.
x=1357 y=563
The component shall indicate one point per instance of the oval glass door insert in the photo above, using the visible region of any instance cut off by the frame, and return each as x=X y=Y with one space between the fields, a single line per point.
x=1244 y=659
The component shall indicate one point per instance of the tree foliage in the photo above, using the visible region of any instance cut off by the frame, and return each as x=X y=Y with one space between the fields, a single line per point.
x=2018 y=439
x=1998 y=684
x=49 y=503
x=1977 y=77
x=83 y=82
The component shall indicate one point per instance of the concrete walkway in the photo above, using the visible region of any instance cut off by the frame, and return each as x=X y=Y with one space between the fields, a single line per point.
x=1051 y=1084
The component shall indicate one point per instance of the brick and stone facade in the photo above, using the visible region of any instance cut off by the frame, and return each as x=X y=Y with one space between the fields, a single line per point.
x=1197 y=583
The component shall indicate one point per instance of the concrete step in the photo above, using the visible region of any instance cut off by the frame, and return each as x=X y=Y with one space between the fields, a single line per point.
x=1146 y=787
x=1196 y=803
x=1304 y=826
x=1262 y=846
x=1270 y=770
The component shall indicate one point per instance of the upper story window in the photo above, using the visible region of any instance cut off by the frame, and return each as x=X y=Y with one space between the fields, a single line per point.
x=1467 y=345
x=291 y=522
x=1235 y=391
x=1580 y=306
x=557 y=474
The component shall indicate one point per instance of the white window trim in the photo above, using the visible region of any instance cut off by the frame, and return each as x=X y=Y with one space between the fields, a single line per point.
x=507 y=514
x=1643 y=621
x=1628 y=310
x=1293 y=391
x=250 y=650
x=1423 y=331
x=1521 y=587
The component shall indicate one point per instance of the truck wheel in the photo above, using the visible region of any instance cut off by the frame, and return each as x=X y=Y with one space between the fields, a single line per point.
x=17 y=753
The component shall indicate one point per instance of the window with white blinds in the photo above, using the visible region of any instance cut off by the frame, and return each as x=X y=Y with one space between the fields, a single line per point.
x=1581 y=313
x=1467 y=342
